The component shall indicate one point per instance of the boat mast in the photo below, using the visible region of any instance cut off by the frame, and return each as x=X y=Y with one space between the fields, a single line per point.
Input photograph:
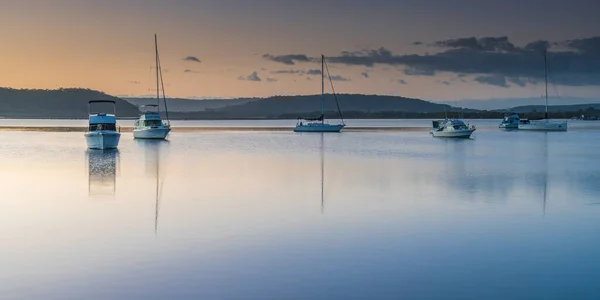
x=156 y=58
x=322 y=88
x=546 y=79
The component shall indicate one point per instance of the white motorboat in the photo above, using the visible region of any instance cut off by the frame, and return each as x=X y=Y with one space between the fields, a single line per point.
x=544 y=124
x=318 y=124
x=150 y=124
x=102 y=130
x=510 y=121
x=451 y=129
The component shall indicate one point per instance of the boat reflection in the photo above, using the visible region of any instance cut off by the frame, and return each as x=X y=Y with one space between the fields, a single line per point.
x=152 y=153
x=102 y=171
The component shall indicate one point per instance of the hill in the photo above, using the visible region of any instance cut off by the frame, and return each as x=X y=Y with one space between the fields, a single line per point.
x=190 y=105
x=60 y=103
x=556 y=108
x=310 y=105
x=505 y=103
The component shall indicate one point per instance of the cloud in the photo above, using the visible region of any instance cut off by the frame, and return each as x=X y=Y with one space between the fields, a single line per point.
x=402 y=81
x=587 y=45
x=496 y=80
x=252 y=77
x=269 y=79
x=190 y=71
x=313 y=72
x=538 y=46
x=419 y=72
x=338 y=78
x=492 y=58
x=289 y=59
x=365 y=74
x=518 y=81
x=299 y=72
x=192 y=59
x=482 y=44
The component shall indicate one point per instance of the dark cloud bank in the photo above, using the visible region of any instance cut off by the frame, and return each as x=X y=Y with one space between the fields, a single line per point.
x=488 y=60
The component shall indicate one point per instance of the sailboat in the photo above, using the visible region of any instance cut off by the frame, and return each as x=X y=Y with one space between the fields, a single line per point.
x=150 y=125
x=545 y=124
x=318 y=124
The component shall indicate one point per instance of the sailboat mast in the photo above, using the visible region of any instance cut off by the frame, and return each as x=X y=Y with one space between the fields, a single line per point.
x=322 y=88
x=546 y=79
x=156 y=59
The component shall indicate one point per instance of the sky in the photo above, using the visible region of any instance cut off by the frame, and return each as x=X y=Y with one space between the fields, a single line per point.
x=433 y=50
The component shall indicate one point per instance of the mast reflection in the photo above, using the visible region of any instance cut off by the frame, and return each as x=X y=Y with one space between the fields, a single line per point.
x=152 y=153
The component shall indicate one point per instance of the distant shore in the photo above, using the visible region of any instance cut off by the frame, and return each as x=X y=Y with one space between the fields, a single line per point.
x=207 y=129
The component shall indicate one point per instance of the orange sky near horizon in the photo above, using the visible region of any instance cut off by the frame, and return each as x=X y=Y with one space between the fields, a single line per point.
x=108 y=46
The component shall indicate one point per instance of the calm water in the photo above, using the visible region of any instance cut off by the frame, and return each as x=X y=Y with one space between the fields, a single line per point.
x=279 y=215
x=481 y=124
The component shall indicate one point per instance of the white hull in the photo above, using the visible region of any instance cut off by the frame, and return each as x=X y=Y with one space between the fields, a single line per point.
x=544 y=126
x=318 y=127
x=508 y=126
x=102 y=139
x=452 y=134
x=151 y=133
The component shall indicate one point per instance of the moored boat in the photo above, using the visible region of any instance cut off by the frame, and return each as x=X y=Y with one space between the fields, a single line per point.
x=544 y=124
x=102 y=128
x=150 y=124
x=451 y=129
x=510 y=121
x=318 y=124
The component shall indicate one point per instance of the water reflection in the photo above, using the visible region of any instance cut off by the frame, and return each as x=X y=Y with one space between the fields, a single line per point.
x=152 y=153
x=322 y=171
x=102 y=171
x=545 y=171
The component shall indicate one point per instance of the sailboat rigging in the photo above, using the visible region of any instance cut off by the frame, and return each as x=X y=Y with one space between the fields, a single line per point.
x=150 y=124
x=545 y=124
x=318 y=124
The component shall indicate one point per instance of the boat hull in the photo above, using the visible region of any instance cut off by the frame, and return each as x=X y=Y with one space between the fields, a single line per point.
x=544 y=126
x=102 y=139
x=465 y=134
x=318 y=128
x=508 y=126
x=151 y=133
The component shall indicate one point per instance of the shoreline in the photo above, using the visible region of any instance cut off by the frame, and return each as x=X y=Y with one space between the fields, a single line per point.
x=127 y=129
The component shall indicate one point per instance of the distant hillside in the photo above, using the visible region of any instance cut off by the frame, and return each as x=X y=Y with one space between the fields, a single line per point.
x=556 y=108
x=190 y=105
x=505 y=103
x=277 y=106
x=60 y=103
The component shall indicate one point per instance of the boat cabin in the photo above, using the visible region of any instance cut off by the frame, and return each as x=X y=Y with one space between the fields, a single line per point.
x=509 y=119
x=102 y=121
x=449 y=125
x=149 y=119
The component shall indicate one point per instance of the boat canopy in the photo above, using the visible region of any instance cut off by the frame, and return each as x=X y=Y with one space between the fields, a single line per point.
x=319 y=118
x=150 y=116
x=102 y=119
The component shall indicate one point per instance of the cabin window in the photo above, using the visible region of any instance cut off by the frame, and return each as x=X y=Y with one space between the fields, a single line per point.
x=152 y=123
x=98 y=127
